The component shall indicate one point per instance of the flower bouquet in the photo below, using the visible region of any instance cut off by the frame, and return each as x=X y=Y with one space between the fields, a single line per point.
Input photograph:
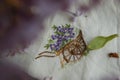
x=64 y=43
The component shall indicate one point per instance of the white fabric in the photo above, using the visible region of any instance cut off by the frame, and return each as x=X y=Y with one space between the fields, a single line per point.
x=103 y=20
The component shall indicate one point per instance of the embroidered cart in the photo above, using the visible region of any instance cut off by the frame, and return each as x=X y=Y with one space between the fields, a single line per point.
x=71 y=52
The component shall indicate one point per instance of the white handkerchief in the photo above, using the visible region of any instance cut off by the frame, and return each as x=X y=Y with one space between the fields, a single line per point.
x=103 y=20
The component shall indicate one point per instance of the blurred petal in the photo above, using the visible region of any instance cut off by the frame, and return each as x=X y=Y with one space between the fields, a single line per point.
x=22 y=20
x=9 y=71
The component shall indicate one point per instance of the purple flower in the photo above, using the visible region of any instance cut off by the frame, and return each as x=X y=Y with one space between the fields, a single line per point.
x=63 y=35
x=59 y=28
x=59 y=42
x=70 y=30
x=57 y=47
x=52 y=46
x=53 y=37
x=59 y=37
x=65 y=30
x=66 y=37
x=72 y=35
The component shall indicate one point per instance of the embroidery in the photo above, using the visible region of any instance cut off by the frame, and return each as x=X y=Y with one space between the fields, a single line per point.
x=64 y=44
x=113 y=55
x=69 y=47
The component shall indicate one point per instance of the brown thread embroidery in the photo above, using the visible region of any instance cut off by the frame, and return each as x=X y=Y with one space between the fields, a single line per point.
x=71 y=52
x=113 y=55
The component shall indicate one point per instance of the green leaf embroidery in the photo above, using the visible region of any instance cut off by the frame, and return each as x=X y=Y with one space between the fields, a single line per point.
x=50 y=41
x=67 y=25
x=58 y=33
x=47 y=46
x=112 y=37
x=100 y=41
x=63 y=43
x=54 y=27
x=86 y=52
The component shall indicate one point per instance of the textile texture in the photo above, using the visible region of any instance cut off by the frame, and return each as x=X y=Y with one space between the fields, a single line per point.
x=102 y=20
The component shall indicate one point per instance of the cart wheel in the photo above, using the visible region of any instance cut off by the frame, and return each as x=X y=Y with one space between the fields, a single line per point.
x=72 y=52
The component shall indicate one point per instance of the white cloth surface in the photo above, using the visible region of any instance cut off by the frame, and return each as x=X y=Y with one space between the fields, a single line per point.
x=103 y=20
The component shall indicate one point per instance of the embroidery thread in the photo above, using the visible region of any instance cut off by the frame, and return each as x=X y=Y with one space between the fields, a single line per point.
x=65 y=45
x=71 y=48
